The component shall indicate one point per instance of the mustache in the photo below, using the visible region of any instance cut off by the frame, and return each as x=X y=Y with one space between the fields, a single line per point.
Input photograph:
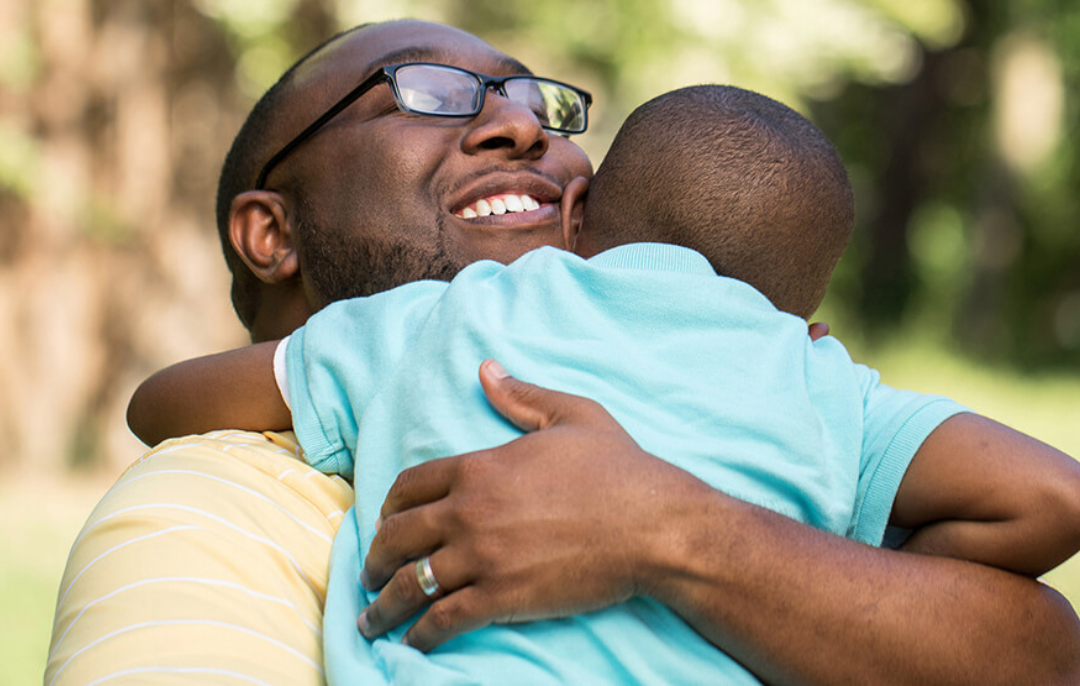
x=518 y=169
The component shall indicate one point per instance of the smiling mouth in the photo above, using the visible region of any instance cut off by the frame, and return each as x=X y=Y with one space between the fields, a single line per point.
x=501 y=203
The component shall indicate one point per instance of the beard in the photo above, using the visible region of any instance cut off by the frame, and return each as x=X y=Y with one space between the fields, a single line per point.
x=339 y=264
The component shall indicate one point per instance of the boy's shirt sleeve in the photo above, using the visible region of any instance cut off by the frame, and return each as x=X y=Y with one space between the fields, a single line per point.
x=336 y=362
x=895 y=424
x=281 y=377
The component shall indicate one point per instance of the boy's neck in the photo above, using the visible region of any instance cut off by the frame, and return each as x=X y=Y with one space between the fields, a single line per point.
x=587 y=246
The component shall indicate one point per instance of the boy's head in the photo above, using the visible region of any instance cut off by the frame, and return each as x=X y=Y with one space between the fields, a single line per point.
x=737 y=176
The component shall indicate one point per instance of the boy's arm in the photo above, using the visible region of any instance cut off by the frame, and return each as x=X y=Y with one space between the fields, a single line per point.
x=231 y=390
x=980 y=491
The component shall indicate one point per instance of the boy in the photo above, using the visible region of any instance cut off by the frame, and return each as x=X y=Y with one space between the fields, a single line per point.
x=748 y=403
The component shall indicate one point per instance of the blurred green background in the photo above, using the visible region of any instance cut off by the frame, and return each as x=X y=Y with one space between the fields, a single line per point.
x=957 y=121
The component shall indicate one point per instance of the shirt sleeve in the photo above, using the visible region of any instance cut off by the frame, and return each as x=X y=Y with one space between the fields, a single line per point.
x=339 y=361
x=895 y=424
x=281 y=375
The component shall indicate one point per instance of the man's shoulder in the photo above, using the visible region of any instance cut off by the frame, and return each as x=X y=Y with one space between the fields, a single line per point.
x=248 y=460
x=268 y=451
x=225 y=439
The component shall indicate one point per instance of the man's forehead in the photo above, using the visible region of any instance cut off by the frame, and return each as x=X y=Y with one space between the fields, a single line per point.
x=439 y=54
x=356 y=55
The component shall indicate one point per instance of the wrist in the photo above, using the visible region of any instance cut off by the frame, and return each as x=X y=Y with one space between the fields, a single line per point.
x=685 y=543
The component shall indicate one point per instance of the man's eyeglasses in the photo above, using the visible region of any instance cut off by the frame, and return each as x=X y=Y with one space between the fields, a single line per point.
x=439 y=90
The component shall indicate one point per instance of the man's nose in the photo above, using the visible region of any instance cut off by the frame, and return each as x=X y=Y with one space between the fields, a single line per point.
x=506 y=127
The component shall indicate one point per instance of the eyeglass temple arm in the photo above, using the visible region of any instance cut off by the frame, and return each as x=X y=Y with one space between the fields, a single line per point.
x=350 y=97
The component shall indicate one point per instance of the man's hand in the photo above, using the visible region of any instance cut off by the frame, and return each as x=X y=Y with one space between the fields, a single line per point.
x=541 y=527
x=575 y=516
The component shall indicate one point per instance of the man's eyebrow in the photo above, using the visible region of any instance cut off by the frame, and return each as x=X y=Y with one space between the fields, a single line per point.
x=511 y=65
x=417 y=54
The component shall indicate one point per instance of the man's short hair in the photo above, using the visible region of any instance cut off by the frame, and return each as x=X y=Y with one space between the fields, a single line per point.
x=249 y=151
x=737 y=176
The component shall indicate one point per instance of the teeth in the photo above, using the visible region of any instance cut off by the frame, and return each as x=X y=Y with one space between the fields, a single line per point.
x=499 y=205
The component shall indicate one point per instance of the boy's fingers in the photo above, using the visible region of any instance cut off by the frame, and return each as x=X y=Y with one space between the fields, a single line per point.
x=818 y=330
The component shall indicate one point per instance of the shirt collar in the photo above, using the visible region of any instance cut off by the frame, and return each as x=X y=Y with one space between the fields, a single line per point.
x=656 y=257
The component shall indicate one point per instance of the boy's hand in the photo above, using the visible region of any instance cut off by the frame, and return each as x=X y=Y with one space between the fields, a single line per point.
x=818 y=330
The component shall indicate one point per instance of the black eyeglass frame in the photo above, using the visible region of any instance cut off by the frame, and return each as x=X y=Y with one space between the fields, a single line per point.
x=387 y=74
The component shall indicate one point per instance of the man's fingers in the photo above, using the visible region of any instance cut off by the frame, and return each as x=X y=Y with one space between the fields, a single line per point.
x=455 y=614
x=419 y=485
x=402 y=537
x=528 y=406
x=403 y=596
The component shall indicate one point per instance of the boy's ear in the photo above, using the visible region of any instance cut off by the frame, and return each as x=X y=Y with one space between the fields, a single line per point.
x=261 y=234
x=572 y=209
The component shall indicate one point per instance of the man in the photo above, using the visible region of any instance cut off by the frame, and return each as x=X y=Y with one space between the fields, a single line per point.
x=370 y=202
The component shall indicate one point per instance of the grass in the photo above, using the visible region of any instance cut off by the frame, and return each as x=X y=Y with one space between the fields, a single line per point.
x=43 y=516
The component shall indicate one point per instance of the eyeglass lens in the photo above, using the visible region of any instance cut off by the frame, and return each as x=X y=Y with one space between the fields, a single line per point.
x=438 y=90
x=431 y=89
x=557 y=106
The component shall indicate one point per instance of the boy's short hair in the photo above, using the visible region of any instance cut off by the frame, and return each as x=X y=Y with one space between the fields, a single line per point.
x=737 y=176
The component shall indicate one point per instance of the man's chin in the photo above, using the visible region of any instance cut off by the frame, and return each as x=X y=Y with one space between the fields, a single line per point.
x=340 y=272
x=507 y=246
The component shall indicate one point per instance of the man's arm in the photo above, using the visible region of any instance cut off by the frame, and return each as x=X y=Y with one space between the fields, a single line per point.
x=234 y=390
x=575 y=516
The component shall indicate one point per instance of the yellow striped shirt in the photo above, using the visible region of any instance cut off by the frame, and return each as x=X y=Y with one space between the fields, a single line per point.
x=206 y=562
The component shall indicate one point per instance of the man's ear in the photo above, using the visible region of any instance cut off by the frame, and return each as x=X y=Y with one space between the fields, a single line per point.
x=261 y=234
x=572 y=209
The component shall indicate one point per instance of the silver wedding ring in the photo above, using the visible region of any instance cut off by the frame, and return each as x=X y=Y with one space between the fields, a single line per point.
x=426 y=577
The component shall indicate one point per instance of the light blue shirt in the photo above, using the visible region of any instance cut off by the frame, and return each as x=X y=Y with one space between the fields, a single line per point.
x=700 y=370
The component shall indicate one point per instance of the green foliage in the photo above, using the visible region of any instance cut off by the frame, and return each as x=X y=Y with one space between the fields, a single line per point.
x=951 y=228
x=32 y=558
x=954 y=242
x=934 y=160
x=18 y=160
x=256 y=30
x=20 y=61
x=952 y=234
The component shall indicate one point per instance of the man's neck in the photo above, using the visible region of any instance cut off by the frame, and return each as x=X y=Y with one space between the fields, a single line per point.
x=280 y=313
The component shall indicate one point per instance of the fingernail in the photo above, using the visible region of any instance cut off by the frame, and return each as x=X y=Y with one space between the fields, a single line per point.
x=497 y=370
x=378 y=524
x=363 y=624
x=365 y=581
